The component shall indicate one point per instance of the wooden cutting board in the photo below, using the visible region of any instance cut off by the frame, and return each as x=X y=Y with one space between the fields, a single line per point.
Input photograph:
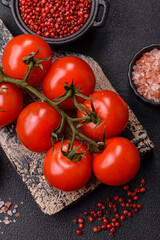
x=29 y=165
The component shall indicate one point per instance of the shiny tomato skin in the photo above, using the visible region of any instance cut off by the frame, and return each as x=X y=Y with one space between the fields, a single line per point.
x=118 y=163
x=112 y=110
x=11 y=101
x=63 y=174
x=21 y=46
x=35 y=125
x=66 y=69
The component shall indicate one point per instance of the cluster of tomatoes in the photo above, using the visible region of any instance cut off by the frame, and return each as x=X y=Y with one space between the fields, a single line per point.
x=67 y=166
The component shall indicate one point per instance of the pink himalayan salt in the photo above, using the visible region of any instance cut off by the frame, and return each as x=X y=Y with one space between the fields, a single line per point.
x=146 y=75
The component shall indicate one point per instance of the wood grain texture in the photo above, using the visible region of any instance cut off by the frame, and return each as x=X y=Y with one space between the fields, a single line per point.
x=29 y=165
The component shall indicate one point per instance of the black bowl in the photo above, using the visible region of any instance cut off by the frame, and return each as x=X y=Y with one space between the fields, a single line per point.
x=91 y=22
x=135 y=58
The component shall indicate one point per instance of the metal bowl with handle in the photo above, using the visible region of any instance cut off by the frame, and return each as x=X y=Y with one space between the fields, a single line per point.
x=91 y=22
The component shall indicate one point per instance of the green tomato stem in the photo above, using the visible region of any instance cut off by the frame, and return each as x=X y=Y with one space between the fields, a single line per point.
x=23 y=83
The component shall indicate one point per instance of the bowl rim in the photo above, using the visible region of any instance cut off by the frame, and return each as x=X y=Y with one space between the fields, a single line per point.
x=58 y=41
x=132 y=63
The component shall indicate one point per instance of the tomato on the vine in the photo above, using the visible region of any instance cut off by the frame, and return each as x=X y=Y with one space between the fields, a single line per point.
x=20 y=47
x=35 y=124
x=11 y=103
x=64 y=174
x=118 y=163
x=64 y=70
x=111 y=109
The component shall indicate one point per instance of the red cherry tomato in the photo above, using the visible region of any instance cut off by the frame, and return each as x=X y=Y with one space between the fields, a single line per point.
x=35 y=125
x=21 y=46
x=11 y=102
x=64 y=174
x=66 y=69
x=113 y=112
x=118 y=163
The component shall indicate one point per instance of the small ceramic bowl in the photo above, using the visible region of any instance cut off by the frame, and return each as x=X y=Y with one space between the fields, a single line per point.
x=91 y=22
x=133 y=62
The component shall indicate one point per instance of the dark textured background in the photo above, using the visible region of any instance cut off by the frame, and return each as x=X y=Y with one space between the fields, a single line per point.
x=131 y=25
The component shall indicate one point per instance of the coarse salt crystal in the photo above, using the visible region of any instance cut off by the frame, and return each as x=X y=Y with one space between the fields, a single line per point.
x=1 y=204
x=9 y=212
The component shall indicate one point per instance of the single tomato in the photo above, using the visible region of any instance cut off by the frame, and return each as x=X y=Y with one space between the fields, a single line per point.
x=64 y=70
x=113 y=112
x=11 y=103
x=64 y=174
x=118 y=163
x=35 y=125
x=20 y=47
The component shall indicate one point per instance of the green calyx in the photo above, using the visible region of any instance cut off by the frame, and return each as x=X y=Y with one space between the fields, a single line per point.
x=71 y=153
x=34 y=62
x=92 y=116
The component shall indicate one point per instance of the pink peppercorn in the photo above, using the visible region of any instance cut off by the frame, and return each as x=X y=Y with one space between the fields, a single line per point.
x=125 y=212
x=103 y=227
x=90 y=219
x=92 y=212
x=81 y=225
x=122 y=217
x=99 y=204
x=143 y=181
x=79 y=232
x=142 y=190
x=95 y=229
x=139 y=206
x=116 y=198
x=135 y=210
x=112 y=230
x=117 y=224
x=85 y=213
x=80 y=220
x=129 y=214
x=135 y=198
x=109 y=226
x=126 y=187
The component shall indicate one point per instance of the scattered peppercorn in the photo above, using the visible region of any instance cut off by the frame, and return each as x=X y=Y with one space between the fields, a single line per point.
x=80 y=220
x=81 y=225
x=135 y=198
x=139 y=206
x=125 y=212
x=75 y=220
x=99 y=204
x=143 y=181
x=117 y=224
x=142 y=190
x=122 y=217
x=105 y=221
x=85 y=213
x=135 y=210
x=126 y=187
x=95 y=229
x=114 y=222
x=129 y=214
x=79 y=232
x=116 y=198
x=92 y=212
x=103 y=227
x=90 y=219
x=109 y=226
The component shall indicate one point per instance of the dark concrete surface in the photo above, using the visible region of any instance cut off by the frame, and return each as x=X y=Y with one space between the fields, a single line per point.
x=131 y=25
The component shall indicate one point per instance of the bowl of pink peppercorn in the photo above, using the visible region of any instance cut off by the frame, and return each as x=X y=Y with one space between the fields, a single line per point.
x=144 y=74
x=58 y=21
